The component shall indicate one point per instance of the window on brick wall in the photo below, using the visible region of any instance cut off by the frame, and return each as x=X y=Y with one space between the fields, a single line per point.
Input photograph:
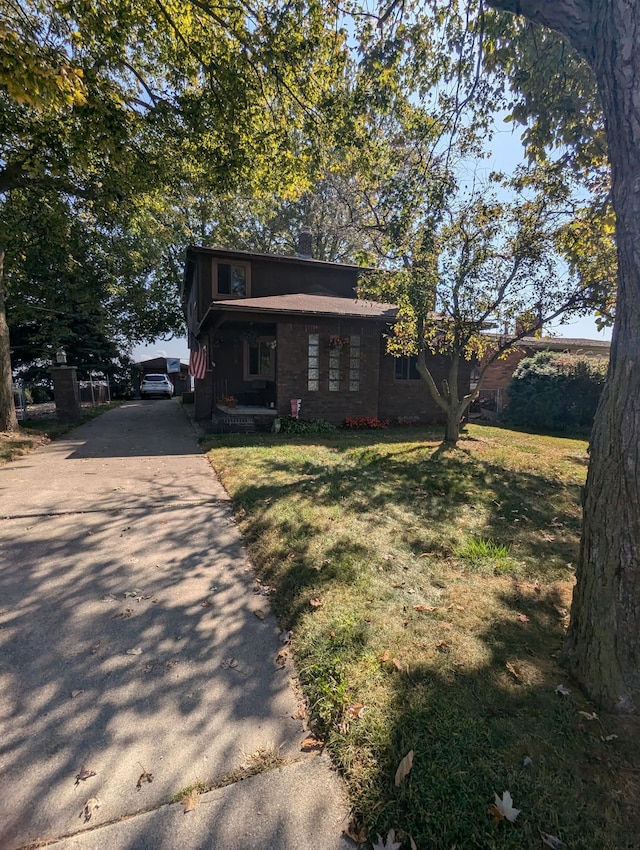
x=334 y=369
x=354 y=364
x=406 y=368
x=313 y=363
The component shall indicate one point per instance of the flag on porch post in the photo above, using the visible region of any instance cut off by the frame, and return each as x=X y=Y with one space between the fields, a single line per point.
x=197 y=358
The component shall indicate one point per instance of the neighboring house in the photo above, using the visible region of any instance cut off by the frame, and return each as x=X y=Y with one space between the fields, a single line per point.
x=176 y=369
x=499 y=374
x=278 y=329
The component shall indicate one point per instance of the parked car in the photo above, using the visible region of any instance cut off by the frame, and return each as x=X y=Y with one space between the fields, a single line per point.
x=159 y=385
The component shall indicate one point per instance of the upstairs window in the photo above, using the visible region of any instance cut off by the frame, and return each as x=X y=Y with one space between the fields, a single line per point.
x=231 y=279
x=407 y=369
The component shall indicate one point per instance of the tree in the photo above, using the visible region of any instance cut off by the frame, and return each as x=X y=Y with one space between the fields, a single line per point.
x=602 y=647
x=489 y=265
x=107 y=112
x=597 y=60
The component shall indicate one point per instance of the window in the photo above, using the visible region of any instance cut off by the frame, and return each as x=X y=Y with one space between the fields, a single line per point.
x=354 y=364
x=313 y=360
x=259 y=359
x=334 y=369
x=231 y=279
x=406 y=368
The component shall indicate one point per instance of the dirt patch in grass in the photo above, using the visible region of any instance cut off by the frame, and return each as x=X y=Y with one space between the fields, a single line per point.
x=428 y=593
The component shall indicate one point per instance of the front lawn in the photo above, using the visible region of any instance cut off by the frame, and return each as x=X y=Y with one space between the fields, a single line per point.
x=428 y=592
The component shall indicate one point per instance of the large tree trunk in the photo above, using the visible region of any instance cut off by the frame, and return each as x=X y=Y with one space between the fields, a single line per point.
x=603 y=642
x=8 y=418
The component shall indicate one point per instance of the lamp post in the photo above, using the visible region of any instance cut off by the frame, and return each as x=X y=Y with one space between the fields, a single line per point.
x=61 y=357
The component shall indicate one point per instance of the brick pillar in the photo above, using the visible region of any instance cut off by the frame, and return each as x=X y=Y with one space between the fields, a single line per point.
x=66 y=393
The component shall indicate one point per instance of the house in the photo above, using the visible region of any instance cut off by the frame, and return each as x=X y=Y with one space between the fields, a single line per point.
x=176 y=369
x=498 y=375
x=281 y=331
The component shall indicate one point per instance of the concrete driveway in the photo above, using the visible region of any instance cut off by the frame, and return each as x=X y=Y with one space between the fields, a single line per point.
x=130 y=645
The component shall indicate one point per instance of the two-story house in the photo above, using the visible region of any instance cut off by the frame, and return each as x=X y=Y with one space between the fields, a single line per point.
x=277 y=329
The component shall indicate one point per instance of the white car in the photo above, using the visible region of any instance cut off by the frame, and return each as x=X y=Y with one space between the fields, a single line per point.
x=159 y=385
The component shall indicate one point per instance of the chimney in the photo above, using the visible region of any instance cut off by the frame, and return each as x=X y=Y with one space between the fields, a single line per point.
x=305 y=244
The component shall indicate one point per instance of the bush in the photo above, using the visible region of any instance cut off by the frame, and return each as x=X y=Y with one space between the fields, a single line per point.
x=290 y=425
x=38 y=393
x=363 y=423
x=555 y=392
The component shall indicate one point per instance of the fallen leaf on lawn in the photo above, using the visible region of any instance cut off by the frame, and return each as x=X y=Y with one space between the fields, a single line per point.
x=397 y=664
x=259 y=613
x=403 y=768
x=84 y=773
x=607 y=738
x=76 y=693
x=412 y=843
x=126 y=613
x=504 y=807
x=389 y=844
x=311 y=744
x=356 y=831
x=190 y=802
x=588 y=716
x=442 y=646
x=429 y=608
x=317 y=602
x=206 y=603
x=145 y=776
x=90 y=806
x=385 y=656
x=527 y=761
x=551 y=841
x=355 y=710
x=135 y=651
x=515 y=671
x=562 y=691
x=281 y=658
x=399 y=584
x=523 y=618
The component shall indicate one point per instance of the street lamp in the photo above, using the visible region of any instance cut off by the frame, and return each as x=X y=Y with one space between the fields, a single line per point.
x=61 y=357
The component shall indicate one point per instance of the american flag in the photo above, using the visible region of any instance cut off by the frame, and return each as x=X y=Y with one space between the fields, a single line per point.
x=197 y=359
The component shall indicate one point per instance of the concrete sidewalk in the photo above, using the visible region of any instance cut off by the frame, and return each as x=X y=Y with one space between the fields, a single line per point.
x=129 y=645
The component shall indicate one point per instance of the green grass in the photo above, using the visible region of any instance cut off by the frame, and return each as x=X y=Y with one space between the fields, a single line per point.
x=432 y=585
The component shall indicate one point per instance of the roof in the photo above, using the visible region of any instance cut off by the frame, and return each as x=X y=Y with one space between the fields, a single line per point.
x=278 y=258
x=314 y=305
x=557 y=343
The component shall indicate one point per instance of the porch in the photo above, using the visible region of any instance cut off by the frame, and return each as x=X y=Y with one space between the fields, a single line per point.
x=242 y=418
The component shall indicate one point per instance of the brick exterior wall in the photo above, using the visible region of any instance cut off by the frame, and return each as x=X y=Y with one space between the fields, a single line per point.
x=500 y=372
x=292 y=367
x=409 y=398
